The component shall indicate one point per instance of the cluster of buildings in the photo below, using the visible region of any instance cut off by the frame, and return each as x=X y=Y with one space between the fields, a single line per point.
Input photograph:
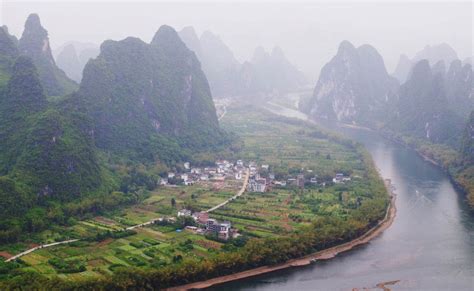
x=222 y=170
x=205 y=225
x=256 y=182
x=340 y=178
x=260 y=184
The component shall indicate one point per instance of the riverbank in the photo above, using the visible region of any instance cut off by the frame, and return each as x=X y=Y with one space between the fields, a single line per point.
x=326 y=254
x=464 y=186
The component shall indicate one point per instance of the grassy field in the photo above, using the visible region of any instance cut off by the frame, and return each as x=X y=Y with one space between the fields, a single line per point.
x=287 y=146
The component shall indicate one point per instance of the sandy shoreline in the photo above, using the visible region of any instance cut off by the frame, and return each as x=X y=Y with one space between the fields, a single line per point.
x=306 y=260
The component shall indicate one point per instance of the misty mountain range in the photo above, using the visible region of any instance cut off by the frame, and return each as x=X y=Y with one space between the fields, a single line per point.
x=433 y=54
x=434 y=102
x=151 y=103
x=73 y=56
x=354 y=86
x=263 y=74
x=431 y=112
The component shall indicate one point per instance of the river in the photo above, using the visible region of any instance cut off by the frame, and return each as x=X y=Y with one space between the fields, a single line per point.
x=430 y=245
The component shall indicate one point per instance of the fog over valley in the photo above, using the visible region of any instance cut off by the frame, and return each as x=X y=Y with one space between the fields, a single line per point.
x=236 y=145
x=308 y=32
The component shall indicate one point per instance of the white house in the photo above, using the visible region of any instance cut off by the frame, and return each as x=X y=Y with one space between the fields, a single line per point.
x=187 y=165
x=196 y=171
x=280 y=183
x=339 y=178
x=238 y=175
x=257 y=186
x=184 y=212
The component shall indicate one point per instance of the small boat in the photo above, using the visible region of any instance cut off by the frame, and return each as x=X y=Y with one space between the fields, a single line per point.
x=312 y=261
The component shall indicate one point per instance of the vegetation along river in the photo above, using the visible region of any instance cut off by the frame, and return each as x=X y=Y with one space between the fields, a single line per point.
x=430 y=245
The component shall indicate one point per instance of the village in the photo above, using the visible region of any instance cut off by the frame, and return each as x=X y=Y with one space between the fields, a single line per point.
x=211 y=208
x=260 y=179
x=222 y=170
x=225 y=170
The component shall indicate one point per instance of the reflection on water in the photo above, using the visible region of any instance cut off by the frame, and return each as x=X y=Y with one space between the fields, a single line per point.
x=430 y=245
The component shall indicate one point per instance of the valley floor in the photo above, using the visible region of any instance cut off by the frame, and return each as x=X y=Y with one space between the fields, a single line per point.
x=290 y=147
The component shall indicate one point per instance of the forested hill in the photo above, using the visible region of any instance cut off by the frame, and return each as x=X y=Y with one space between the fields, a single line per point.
x=8 y=53
x=464 y=172
x=47 y=155
x=353 y=86
x=140 y=109
x=432 y=116
x=147 y=100
x=49 y=167
x=424 y=110
x=428 y=111
x=468 y=139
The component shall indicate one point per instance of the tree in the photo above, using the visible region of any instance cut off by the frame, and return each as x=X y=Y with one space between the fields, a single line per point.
x=173 y=202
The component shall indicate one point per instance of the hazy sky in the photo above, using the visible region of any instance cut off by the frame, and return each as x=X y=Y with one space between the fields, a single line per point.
x=309 y=32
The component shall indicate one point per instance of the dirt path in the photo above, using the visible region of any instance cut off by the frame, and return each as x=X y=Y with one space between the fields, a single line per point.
x=104 y=242
x=144 y=224
x=241 y=191
x=321 y=255
x=40 y=247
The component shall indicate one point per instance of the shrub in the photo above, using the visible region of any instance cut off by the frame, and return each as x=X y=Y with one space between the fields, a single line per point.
x=67 y=266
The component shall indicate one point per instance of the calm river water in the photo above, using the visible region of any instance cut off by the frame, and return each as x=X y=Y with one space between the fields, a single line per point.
x=430 y=245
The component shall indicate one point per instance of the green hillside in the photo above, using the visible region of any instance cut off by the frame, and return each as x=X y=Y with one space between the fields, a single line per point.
x=141 y=109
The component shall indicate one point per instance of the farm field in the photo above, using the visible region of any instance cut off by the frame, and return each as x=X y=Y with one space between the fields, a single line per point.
x=290 y=146
x=287 y=146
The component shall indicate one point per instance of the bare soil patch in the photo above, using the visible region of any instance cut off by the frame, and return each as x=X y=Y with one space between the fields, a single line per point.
x=208 y=244
x=105 y=242
x=6 y=255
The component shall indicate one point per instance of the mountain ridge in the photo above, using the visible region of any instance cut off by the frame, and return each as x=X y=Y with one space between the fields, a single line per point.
x=34 y=43
x=353 y=86
x=259 y=76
